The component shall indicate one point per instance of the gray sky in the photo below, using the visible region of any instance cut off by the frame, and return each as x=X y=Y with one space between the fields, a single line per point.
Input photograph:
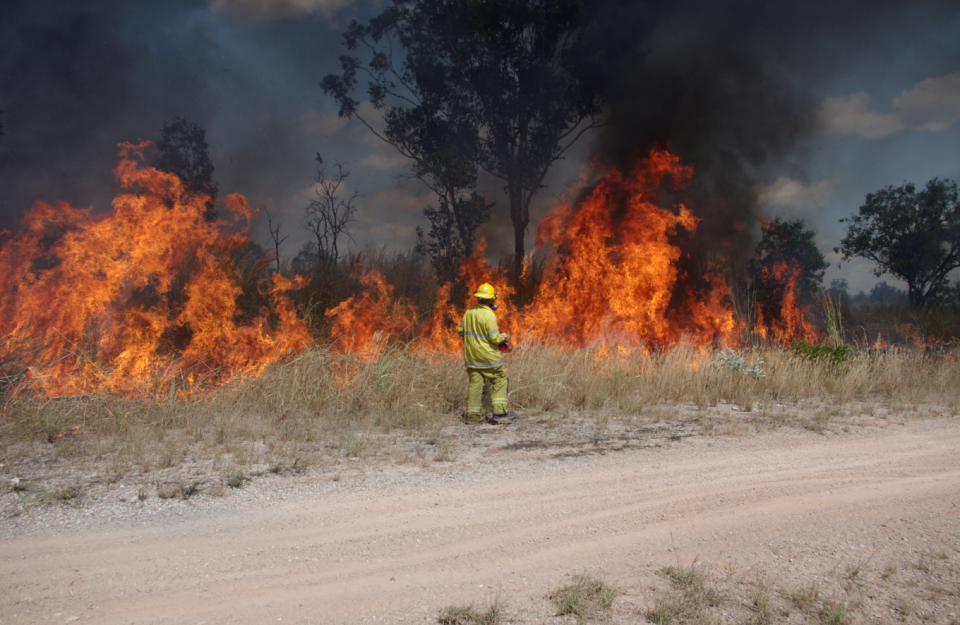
x=877 y=83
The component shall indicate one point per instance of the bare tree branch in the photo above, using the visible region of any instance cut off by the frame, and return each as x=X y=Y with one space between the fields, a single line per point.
x=328 y=214
x=275 y=236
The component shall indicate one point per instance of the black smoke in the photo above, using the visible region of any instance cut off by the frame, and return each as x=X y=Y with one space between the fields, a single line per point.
x=77 y=78
x=731 y=88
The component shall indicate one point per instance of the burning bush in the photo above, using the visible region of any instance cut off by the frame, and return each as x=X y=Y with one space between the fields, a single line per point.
x=153 y=298
x=140 y=299
x=613 y=278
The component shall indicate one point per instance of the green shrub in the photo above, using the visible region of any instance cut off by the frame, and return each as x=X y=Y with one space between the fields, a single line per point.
x=822 y=353
x=735 y=361
x=235 y=478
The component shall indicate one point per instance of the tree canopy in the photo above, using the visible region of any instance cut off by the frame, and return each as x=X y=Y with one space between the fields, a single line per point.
x=452 y=234
x=839 y=290
x=182 y=150
x=913 y=235
x=883 y=293
x=502 y=83
x=442 y=150
x=787 y=250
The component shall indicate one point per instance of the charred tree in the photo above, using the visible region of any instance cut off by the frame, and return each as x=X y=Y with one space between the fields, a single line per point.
x=275 y=236
x=182 y=150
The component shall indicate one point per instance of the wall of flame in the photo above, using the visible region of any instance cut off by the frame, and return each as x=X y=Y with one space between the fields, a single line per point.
x=90 y=301
x=143 y=300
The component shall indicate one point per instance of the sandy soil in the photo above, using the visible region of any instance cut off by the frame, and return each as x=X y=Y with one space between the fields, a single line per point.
x=872 y=511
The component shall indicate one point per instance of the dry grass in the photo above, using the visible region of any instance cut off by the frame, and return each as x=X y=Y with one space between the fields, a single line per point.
x=583 y=596
x=688 y=599
x=470 y=615
x=700 y=594
x=323 y=406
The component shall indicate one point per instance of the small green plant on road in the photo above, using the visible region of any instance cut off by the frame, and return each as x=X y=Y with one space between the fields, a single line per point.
x=235 y=478
x=689 y=596
x=65 y=495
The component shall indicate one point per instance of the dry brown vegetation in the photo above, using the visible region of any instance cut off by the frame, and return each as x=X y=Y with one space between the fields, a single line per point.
x=324 y=396
x=323 y=406
x=322 y=409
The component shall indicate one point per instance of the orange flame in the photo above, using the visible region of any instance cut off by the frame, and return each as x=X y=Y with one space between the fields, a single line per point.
x=144 y=298
x=790 y=323
x=439 y=333
x=72 y=430
x=614 y=279
x=616 y=274
x=361 y=324
x=128 y=300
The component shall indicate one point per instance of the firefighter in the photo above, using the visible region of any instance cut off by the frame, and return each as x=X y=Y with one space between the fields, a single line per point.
x=482 y=356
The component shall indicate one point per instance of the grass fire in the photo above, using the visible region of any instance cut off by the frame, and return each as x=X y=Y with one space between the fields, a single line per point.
x=143 y=298
x=493 y=311
x=152 y=298
x=155 y=309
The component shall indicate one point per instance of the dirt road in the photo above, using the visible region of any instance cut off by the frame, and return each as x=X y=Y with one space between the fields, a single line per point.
x=398 y=544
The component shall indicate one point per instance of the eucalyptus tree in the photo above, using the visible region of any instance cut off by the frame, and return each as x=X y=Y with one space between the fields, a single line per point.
x=182 y=150
x=501 y=85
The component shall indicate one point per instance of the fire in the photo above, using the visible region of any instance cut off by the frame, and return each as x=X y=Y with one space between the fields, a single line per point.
x=615 y=277
x=145 y=299
x=362 y=324
x=789 y=322
x=613 y=280
x=881 y=343
x=72 y=430
x=438 y=334
x=139 y=297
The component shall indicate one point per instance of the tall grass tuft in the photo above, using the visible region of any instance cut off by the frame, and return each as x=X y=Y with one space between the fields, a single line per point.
x=832 y=310
x=470 y=615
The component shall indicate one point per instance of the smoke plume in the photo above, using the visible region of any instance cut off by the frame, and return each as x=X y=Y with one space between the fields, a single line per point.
x=77 y=79
x=728 y=88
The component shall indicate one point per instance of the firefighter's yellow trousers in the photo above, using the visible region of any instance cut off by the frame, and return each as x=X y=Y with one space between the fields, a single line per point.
x=497 y=378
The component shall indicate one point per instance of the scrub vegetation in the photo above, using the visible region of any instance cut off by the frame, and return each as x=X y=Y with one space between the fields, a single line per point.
x=323 y=406
x=866 y=591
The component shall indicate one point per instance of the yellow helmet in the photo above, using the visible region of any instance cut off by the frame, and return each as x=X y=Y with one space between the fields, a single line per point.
x=486 y=291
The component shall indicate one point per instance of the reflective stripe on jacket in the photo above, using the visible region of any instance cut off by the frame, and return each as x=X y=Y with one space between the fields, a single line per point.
x=481 y=337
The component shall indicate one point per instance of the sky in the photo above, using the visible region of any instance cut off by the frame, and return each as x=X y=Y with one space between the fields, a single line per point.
x=796 y=109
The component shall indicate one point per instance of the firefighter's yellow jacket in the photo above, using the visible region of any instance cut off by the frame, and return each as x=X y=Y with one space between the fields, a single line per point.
x=481 y=337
